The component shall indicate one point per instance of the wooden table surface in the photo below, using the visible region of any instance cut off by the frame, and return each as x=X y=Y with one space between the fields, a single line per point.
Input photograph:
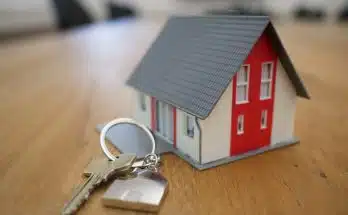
x=54 y=89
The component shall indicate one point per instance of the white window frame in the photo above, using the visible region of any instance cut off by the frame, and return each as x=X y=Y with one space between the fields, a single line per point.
x=268 y=81
x=189 y=120
x=142 y=101
x=240 y=84
x=159 y=122
x=263 y=123
x=170 y=122
x=240 y=119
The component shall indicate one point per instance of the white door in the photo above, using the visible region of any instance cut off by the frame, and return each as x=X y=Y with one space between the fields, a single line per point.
x=164 y=119
x=159 y=117
x=170 y=123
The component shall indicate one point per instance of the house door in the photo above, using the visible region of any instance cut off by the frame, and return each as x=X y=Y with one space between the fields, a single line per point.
x=165 y=120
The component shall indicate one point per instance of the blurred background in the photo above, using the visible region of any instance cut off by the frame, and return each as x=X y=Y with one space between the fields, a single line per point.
x=20 y=18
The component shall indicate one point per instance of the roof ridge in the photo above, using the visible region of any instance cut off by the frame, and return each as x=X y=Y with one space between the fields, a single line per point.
x=221 y=16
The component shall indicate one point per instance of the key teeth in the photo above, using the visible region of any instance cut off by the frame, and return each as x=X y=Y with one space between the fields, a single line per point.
x=75 y=208
x=69 y=212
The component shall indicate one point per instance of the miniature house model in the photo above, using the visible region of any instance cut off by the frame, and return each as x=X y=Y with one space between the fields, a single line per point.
x=218 y=88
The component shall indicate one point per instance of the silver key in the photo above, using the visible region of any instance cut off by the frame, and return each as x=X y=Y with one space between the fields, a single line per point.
x=98 y=162
x=122 y=165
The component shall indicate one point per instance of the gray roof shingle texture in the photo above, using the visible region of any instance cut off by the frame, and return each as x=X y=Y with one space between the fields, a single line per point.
x=194 y=59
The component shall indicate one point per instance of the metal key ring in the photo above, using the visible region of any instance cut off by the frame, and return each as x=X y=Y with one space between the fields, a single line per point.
x=123 y=121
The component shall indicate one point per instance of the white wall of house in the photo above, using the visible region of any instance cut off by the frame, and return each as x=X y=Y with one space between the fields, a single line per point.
x=284 y=108
x=216 y=129
x=185 y=144
x=140 y=115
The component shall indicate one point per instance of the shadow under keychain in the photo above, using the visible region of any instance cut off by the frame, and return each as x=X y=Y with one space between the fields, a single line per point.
x=145 y=188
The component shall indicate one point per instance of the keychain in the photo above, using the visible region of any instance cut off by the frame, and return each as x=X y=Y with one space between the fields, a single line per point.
x=138 y=185
x=145 y=188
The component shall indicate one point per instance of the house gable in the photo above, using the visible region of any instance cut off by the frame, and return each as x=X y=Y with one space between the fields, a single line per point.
x=226 y=109
x=247 y=131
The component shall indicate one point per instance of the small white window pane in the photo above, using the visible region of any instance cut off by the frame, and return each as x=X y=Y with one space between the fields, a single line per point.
x=170 y=122
x=243 y=75
x=158 y=116
x=264 y=119
x=242 y=84
x=240 y=124
x=266 y=80
x=142 y=101
x=265 y=75
x=269 y=69
x=189 y=126
x=240 y=75
x=266 y=71
x=265 y=90
x=164 y=119
x=242 y=93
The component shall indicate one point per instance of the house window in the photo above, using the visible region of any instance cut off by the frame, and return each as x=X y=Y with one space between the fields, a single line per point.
x=142 y=101
x=190 y=129
x=243 y=84
x=240 y=124
x=264 y=119
x=266 y=81
x=164 y=120
x=159 y=122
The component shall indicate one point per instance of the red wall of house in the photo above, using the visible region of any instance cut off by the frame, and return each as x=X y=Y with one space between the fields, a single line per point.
x=253 y=136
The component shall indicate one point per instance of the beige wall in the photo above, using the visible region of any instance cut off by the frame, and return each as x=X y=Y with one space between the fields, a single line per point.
x=187 y=145
x=284 y=108
x=216 y=129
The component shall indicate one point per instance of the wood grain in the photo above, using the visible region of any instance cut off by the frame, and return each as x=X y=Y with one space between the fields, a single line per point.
x=54 y=89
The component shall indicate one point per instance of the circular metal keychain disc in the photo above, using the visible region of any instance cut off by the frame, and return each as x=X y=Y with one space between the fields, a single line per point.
x=123 y=121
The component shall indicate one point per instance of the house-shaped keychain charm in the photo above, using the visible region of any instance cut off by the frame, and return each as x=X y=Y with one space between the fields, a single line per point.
x=218 y=88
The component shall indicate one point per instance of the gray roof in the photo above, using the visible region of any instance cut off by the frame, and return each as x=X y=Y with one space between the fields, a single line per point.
x=194 y=59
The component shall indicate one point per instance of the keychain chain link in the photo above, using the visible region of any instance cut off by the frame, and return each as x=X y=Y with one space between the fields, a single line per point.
x=151 y=161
